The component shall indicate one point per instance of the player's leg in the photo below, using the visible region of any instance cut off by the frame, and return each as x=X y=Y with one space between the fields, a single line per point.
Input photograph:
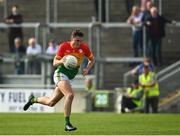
x=69 y=95
x=49 y=101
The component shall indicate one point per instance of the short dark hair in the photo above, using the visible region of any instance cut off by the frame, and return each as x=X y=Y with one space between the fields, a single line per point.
x=77 y=32
x=16 y=6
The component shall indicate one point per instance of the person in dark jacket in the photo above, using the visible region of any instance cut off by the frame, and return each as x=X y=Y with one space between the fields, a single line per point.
x=146 y=15
x=20 y=51
x=14 y=18
x=156 y=25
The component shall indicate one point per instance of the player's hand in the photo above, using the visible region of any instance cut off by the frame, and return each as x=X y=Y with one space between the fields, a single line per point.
x=85 y=71
x=63 y=60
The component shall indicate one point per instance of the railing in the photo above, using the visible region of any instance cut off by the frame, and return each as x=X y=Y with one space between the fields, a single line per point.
x=107 y=10
x=169 y=79
x=99 y=59
x=128 y=74
x=36 y=27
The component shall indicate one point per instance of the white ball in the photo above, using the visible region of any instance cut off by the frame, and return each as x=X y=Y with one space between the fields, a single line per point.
x=71 y=62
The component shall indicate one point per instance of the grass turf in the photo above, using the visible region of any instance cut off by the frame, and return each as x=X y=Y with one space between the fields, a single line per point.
x=89 y=124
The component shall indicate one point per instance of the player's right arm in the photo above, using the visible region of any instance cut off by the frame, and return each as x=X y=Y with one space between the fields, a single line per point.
x=58 y=61
x=59 y=58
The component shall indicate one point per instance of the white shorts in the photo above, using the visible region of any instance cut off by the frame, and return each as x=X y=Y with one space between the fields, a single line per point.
x=59 y=77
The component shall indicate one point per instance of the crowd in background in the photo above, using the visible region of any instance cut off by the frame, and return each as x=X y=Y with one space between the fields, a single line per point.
x=143 y=93
x=155 y=24
x=144 y=15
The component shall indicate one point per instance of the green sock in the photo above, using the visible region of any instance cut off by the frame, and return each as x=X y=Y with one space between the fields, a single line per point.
x=67 y=120
x=34 y=100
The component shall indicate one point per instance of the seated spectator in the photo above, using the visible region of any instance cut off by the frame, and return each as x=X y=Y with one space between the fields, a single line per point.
x=133 y=98
x=52 y=48
x=33 y=51
x=20 y=51
x=135 y=19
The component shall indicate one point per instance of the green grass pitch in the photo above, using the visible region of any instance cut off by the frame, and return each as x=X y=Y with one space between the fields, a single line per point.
x=89 y=124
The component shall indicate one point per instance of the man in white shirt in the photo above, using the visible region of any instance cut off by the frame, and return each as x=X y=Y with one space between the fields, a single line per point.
x=33 y=50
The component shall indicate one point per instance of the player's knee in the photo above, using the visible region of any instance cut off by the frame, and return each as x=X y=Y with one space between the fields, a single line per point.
x=51 y=103
x=70 y=96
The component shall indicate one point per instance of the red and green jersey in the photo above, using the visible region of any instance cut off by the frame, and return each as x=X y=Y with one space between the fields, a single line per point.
x=79 y=52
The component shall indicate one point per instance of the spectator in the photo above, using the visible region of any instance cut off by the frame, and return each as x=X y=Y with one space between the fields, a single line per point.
x=14 y=18
x=52 y=48
x=136 y=19
x=151 y=89
x=33 y=51
x=103 y=10
x=20 y=51
x=157 y=25
x=146 y=15
x=129 y=5
x=133 y=98
x=144 y=3
x=139 y=69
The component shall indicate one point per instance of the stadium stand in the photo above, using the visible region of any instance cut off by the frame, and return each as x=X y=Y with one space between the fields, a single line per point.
x=115 y=42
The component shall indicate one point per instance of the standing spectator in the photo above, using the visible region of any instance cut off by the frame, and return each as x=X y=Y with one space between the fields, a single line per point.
x=20 y=51
x=52 y=48
x=144 y=2
x=156 y=25
x=129 y=5
x=103 y=10
x=151 y=89
x=136 y=19
x=14 y=18
x=33 y=51
x=146 y=15
x=139 y=69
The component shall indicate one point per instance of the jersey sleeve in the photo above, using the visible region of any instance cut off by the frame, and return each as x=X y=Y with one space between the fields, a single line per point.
x=88 y=53
x=60 y=51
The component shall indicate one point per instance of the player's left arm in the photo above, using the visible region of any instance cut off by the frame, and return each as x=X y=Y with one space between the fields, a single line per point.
x=91 y=61
x=89 y=66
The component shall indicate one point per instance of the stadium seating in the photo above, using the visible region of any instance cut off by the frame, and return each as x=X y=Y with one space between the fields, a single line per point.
x=115 y=42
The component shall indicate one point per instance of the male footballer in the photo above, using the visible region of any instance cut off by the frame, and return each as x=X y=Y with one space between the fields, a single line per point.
x=63 y=76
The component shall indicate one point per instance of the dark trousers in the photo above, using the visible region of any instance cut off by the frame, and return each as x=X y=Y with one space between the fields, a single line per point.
x=34 y=66
x=151 y=102
x=127 y=102
x=129 y=5
x=19 y=67
x=103 y=10
x=137 y=43
x=156 y=53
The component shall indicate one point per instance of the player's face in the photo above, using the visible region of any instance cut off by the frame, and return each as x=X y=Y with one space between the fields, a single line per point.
x=76 y=41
